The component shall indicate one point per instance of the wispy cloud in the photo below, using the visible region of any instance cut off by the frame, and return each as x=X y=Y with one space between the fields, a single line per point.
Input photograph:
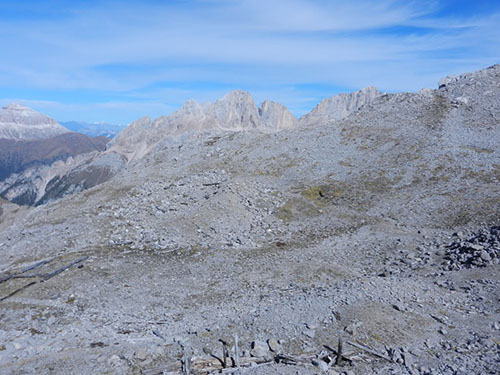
x=122 y=50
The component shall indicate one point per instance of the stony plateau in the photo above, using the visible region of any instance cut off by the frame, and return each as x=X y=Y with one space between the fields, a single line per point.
x=368 y=227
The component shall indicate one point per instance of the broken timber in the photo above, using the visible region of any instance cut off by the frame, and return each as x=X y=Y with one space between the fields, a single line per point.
x=44 y=277
x=368 y=350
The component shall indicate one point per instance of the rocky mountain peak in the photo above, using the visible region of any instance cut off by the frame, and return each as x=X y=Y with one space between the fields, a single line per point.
x=276 y=116
x=339 y=106
x=191 y=107
x=235 y=111
x=17 y=107
x=22 y=123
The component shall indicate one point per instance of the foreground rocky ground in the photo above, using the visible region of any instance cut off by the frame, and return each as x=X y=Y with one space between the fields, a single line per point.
x=380 y=229
x=127 y=311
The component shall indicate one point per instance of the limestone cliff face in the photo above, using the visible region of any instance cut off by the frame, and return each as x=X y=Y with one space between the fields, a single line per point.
x=22 y=123
x=339 y=106
x=276 y=116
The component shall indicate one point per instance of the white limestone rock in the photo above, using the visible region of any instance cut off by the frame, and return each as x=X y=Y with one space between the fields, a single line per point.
x=276 y=116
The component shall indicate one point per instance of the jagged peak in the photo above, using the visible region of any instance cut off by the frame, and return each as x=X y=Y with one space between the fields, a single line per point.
x=237 y=96
x=340 y=106
x=191 y=107
x=266 y=104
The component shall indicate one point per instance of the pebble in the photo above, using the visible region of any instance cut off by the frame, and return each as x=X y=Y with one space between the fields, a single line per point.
x=141 y=355
x=259 y=349
x=323 y=366
x=312 y=326
x=398 y=307
x=309 y=333
x=485 y=256
x=274 y=345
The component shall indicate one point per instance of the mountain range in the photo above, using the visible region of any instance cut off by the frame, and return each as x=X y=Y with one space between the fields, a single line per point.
x=94 y=129
x=33 y=173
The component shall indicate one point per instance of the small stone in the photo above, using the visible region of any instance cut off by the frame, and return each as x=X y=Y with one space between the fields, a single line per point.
x=496 y=326
x=274 y=345
x=141 y=355
x=310 y=333
x=443 y=331
x=259 y=349
x=476 y=247
x=485 y=256
x=323 y=366
x=17 y=346
x=407 y=359
x=398 y=307
x=311 y=325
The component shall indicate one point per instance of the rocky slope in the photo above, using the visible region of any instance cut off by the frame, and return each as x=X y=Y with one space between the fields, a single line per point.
x=290 y=239
x=16 y=156
x=22 y=123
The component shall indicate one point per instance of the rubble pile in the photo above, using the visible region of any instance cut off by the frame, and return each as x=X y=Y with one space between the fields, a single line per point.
x=480 y=250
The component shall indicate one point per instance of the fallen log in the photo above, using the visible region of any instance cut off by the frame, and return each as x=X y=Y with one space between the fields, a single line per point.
x=26 y=269
x=64 y=268
x=368 y=350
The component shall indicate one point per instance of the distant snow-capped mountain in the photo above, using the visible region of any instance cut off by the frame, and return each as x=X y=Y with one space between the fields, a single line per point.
x=18 y=122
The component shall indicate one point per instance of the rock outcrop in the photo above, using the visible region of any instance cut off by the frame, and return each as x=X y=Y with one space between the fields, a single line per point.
x=276 y=116
x=339 y=106
x=22 y=123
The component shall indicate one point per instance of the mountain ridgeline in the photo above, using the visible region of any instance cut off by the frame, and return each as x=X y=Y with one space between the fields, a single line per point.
x=236 y=111
x=40 y=176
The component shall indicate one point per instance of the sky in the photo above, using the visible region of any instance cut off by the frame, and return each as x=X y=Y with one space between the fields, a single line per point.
x=116 y=61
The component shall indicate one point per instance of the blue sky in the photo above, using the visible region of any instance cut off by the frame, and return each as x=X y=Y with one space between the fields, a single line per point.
x=116 y=61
